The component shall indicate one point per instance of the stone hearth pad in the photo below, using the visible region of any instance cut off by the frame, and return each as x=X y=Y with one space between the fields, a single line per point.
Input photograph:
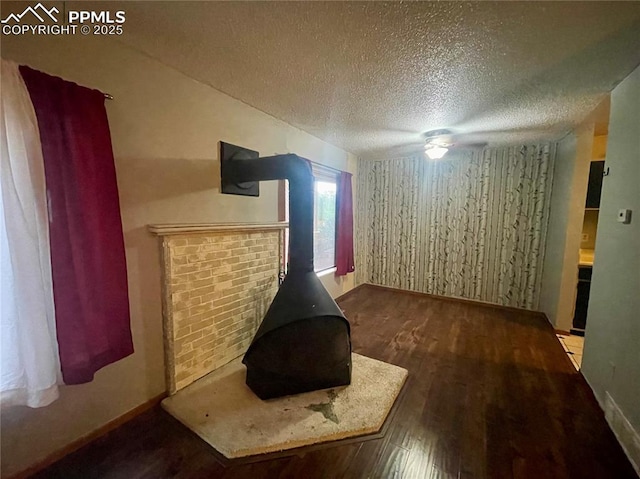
x=223 y=411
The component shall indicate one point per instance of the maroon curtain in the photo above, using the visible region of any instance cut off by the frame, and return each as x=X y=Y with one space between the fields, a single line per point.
x=344 y=226
x=87 y=248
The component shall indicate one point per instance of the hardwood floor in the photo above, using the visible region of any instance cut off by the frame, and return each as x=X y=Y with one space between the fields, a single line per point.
x=490 y=394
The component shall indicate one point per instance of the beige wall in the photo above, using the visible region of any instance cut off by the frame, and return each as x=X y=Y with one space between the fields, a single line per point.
x=599 y=147
x=165 y=128
x=560 y=271
x=611 y=362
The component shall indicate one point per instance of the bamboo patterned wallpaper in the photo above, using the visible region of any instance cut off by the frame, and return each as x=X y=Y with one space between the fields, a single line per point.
x=471 y=225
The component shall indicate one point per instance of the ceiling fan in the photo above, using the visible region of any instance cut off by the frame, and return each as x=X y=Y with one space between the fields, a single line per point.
x=438 y=142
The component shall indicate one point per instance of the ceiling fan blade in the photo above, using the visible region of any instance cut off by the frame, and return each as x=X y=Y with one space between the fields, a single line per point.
x=469 y=144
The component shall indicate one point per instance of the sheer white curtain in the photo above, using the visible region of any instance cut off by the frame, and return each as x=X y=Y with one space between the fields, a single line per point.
x=28 y=356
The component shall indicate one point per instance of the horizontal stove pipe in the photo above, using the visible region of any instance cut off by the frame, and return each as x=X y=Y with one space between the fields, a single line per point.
x=298 y=171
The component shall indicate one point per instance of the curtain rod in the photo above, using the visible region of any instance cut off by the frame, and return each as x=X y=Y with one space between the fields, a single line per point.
x=108 y=96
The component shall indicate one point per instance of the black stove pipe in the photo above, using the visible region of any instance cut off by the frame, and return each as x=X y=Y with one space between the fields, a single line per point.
x=298 y=171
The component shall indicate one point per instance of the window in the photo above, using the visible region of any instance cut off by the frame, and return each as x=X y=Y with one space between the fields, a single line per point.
x=324 y=224
x=324 y=217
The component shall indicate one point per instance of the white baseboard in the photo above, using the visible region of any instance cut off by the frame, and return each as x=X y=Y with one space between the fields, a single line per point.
x=628 y=437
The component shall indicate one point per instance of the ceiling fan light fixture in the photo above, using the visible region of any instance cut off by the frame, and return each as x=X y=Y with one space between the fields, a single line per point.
x=437 y=143
x=435 y=152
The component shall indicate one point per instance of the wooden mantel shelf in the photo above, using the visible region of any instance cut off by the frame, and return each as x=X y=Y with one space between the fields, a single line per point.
x=187 y=228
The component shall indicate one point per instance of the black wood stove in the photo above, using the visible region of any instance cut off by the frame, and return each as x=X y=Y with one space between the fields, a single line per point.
x=303 y=343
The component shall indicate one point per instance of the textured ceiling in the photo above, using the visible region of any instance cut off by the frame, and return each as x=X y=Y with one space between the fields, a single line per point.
x=370 y=77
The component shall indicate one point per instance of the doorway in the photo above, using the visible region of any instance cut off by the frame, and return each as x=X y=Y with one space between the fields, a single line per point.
x=573 y=340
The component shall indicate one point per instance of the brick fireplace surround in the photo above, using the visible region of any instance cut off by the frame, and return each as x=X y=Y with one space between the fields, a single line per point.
x=217 y=283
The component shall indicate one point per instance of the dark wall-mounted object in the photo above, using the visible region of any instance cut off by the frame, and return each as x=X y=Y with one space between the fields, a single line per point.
x=303 y=342
x=582 y=300
x=228 y=154
x=596 y=174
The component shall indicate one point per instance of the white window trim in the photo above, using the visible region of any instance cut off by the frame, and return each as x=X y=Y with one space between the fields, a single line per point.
x=326 y=272
x=324 y=173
